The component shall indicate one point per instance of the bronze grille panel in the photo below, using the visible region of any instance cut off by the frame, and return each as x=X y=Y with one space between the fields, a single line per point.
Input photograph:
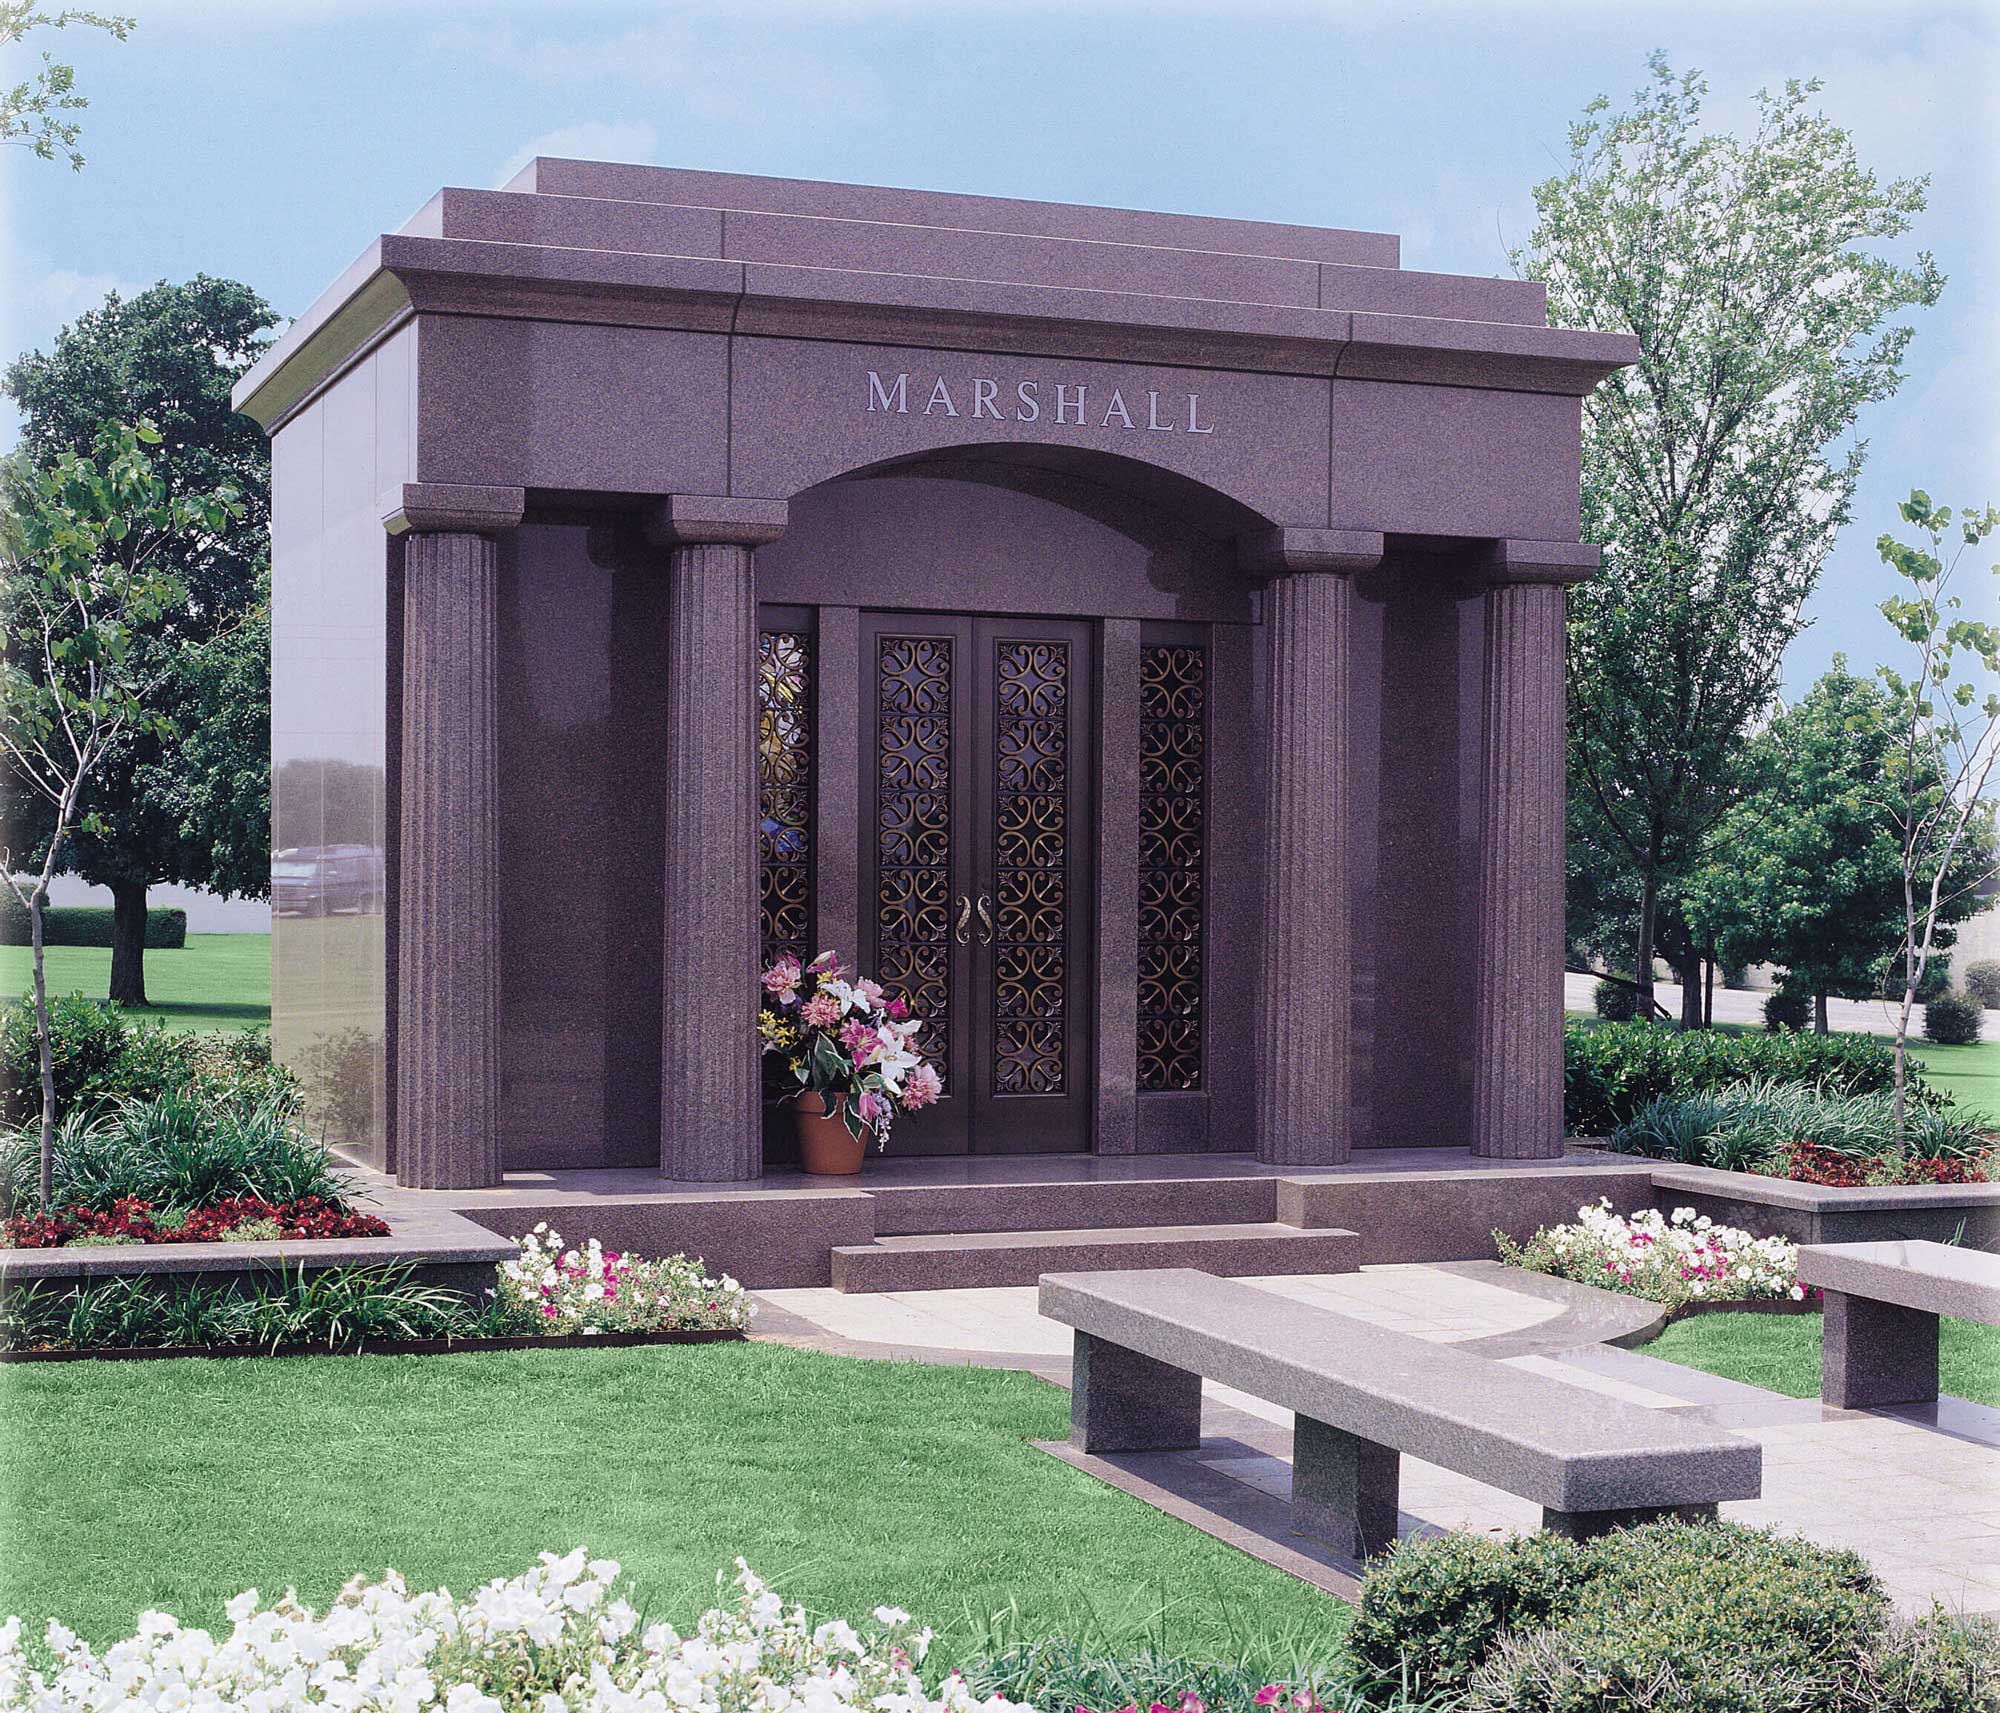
x=784 y=792
x=1173 y=769
x=1031 y=866
x=913 y=833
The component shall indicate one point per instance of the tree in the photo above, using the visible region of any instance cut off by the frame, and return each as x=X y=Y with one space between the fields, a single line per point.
x=171 y=354
x=34 y=114
x=85 y=545
x=1811 y=875
x=1945 y=736
x=1710 y=474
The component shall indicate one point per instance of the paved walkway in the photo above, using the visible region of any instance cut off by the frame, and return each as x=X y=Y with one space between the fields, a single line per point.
x=1917 y=1492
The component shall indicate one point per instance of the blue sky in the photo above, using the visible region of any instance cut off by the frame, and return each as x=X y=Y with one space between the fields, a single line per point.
x=269 y=140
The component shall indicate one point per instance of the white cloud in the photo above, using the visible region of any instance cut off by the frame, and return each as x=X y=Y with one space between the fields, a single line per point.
x=592 y=140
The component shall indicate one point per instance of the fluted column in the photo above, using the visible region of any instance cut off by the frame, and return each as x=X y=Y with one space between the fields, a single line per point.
x=1303 y=1074
x=1518 y=1066
x=448 y=943
x=710 y=1124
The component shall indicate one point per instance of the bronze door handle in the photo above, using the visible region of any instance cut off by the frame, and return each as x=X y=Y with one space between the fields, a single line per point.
x=961 y=931
x=985 y=921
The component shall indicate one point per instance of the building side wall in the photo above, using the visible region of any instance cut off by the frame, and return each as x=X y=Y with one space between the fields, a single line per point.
x=330 y=736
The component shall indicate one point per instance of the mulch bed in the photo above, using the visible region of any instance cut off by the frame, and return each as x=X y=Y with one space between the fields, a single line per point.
x=376 y=1347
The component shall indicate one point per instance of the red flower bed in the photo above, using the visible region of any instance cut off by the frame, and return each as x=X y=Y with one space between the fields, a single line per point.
x=309 y=1216
x=1807 y=1163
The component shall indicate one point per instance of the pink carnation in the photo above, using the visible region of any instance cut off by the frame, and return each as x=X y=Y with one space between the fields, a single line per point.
x=921 y=1087
x=822 y=1011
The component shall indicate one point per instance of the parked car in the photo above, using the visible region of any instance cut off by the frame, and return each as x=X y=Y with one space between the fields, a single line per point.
x=328 y=880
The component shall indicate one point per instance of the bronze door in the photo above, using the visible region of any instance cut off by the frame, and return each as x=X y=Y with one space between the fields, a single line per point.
x=977 y=737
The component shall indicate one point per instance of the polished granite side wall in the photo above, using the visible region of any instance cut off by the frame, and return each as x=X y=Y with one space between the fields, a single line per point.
x=331 y=659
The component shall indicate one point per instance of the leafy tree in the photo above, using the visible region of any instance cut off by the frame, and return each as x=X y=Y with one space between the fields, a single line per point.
x=1945 y=732
x=35 y=114
x=1810 y=872
x=1710 y=470
x=185 y=813
x=86 y=545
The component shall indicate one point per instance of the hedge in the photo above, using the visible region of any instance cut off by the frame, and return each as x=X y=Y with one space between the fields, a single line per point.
x=1611 y=1070
x=89 y=925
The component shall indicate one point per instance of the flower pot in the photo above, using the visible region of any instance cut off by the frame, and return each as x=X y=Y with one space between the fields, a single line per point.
x=825 y=1148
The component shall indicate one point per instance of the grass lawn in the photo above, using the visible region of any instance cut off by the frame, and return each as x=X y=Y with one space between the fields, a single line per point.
x=217 y=981
x=1970 y=1074
x=847 y=1484
x=1781 y=1353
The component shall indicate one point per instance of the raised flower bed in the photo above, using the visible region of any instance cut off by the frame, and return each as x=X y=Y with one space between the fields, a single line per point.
x=235 y=1219
x=545 y=1293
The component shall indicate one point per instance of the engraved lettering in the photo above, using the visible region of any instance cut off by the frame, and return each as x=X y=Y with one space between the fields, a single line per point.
x=1153 y=415
x=879 y=396
x=982 y=399
x=1031 y=409
x=1062 y=398
x=1194 y=415
x=941 y=395
x=1117 y=408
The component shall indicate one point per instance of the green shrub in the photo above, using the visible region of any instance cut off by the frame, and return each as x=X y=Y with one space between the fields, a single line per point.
x=87 y=925
x=1982 y=981
x=333 y=1309
x=1788 y=1010
x=1750 y=1126
x=1611 y=1070
x=101 y=1054
x=1615 y=1002
x=1952 y=1020
x=1711 y=1618
x=1940 y=1663
x=185 y=1147
x=1431 y=1610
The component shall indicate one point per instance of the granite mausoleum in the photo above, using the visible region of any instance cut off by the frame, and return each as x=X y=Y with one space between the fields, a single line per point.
x=1136 y=638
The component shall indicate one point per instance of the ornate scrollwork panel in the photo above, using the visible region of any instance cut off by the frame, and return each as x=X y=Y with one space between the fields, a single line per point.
x=913 y=833
x=1031 y=866
x=1173 y=770
x=784 y=791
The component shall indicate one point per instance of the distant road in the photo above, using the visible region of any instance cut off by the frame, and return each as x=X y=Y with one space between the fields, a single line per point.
x=1845 y=1016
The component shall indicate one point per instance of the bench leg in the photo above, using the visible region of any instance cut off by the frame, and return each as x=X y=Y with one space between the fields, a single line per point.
x=1122 y=1401
x=1877 y=1353
x=1588 y=1525
x=1346 y=1491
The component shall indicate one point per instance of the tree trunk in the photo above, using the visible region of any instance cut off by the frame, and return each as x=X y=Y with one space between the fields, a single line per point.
x=1690 y=980
x=1708 y=991
x=128 y=942
x=1819 y=1014
x=1649 y=911
x=44 y=1054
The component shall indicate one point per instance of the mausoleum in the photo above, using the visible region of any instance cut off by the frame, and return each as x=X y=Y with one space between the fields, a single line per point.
x=1135 y=638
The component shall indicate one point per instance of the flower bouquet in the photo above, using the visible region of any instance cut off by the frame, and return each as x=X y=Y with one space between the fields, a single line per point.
x=845 y=1043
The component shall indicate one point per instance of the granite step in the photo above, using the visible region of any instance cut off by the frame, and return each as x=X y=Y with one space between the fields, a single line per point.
x=907 y=1210
x=959 y=1259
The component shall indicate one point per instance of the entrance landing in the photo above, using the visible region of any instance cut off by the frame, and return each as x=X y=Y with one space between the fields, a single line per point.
x=939 y=1223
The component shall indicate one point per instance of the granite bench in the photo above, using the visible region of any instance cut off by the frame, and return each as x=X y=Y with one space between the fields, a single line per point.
x=1883 y=1301
x=1365 y=1396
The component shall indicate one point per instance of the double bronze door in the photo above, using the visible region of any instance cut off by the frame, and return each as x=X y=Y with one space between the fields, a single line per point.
x=976 y=873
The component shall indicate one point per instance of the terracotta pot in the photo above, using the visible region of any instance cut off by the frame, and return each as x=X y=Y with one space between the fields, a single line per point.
x=825 y=1148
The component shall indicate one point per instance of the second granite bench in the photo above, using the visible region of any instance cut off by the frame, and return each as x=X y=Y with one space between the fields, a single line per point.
x=1882 y=1306
x=1365 y=1396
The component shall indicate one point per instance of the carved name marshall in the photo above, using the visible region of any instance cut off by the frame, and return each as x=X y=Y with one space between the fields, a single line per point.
x=1083 y=405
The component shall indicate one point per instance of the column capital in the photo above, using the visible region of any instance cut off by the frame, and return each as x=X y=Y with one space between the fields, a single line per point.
x=1278 y=552
x=686 y=520
x=451 y=507
x=1510 y=561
